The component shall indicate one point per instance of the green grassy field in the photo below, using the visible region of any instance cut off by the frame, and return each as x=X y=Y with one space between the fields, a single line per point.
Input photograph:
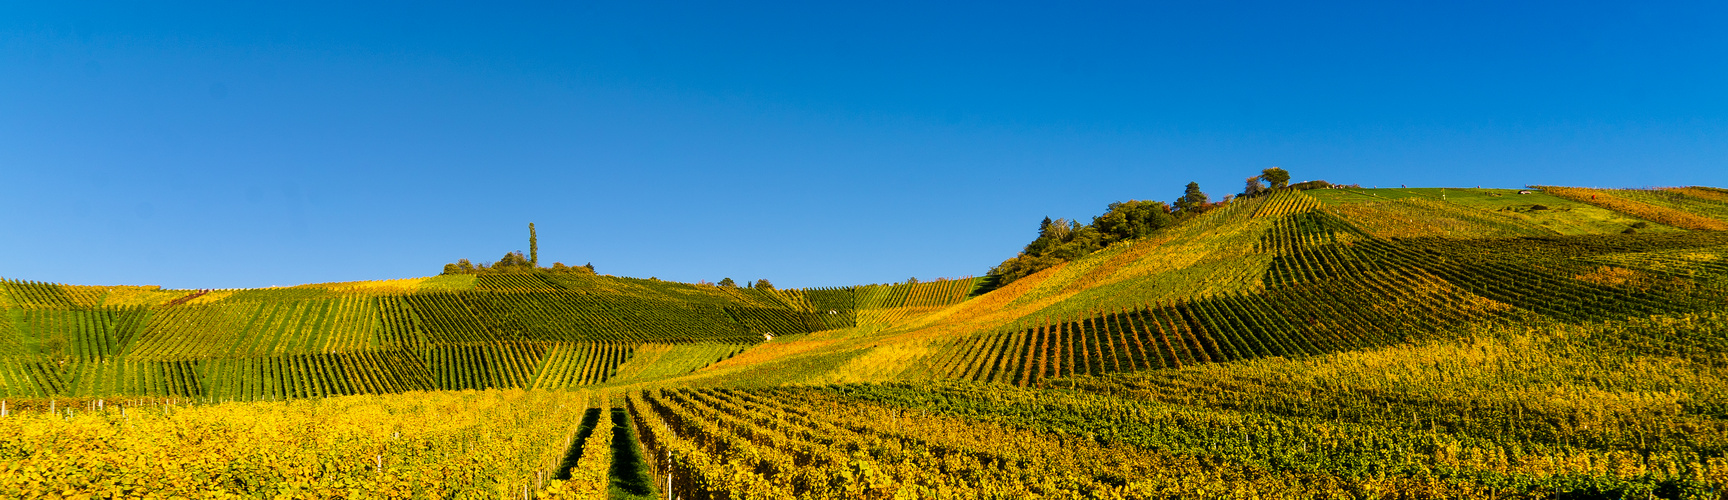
x=1339 y=343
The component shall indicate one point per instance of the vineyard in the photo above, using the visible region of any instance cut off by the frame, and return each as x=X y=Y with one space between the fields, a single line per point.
x=1453 y=419
x=888 y=304
x=1331 y=287
x=313 y=341
x=491 y=331
x=1626 y=201
x=498 y=444
x=1286 y=202
x=1416 y=217
x=1337 y=343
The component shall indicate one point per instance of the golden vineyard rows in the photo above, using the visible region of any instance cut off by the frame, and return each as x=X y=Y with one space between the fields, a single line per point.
x=1286 y=202
x=1606 y=199
x=494 y=444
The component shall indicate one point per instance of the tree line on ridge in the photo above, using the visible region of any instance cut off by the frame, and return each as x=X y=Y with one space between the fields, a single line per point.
x=1063 y=240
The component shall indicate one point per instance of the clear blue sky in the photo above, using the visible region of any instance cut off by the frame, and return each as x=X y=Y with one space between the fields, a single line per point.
x=810 y=143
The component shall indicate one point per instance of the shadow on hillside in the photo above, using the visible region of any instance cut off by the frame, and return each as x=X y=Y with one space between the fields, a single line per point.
x=629 y=472
x=573 y=455
x=989 y=283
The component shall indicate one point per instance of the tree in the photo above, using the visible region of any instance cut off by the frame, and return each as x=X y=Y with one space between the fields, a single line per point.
x=1058 y=241
x=1062 y=240
x=516 y=263
x=1126 y=220
x=1021 y=266
x=1065 y=239
x=1058 y=229
x=727 y=282
x=763 y=283
x=912 y=280
x=561 y=268
x=1192 y=200
x=533 y=246
x=513 y=261
x=1253 y=187
x=1275 y=176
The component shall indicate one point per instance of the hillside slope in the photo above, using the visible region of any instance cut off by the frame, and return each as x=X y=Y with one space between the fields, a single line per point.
x=1294 y=274
x=1340 y=343
x=447 y=332
x=1334 y=344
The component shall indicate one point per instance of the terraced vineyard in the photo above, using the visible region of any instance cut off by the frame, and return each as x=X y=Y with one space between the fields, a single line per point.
x=887 y=304
x=1339 y=343
x=1628 y=202
x=1333 y=287
x=1179 y=433
x=1286 y=202
x=505 y=331
x=266 y=344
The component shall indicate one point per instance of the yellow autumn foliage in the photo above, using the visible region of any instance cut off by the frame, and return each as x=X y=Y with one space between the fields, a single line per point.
x=425 y=444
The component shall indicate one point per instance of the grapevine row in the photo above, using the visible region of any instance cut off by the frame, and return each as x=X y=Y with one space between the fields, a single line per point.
x=1662 y=215
x=1353 y=311
x=1286 y=202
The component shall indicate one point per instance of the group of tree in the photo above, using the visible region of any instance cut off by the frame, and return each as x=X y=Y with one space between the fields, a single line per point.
x=516 y=263
x=761 y=283
x=1062 y=240
x=1278 y=178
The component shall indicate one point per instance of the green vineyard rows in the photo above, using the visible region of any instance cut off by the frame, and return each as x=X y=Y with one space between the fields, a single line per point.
x=1332 y=287
x=527 y=331
x=282 y=343
x=1612 y=200
x=954 y=440
x=926 y=294
x=1685 y=200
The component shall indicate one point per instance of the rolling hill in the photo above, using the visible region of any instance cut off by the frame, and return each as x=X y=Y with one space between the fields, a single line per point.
x=1347 y=342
